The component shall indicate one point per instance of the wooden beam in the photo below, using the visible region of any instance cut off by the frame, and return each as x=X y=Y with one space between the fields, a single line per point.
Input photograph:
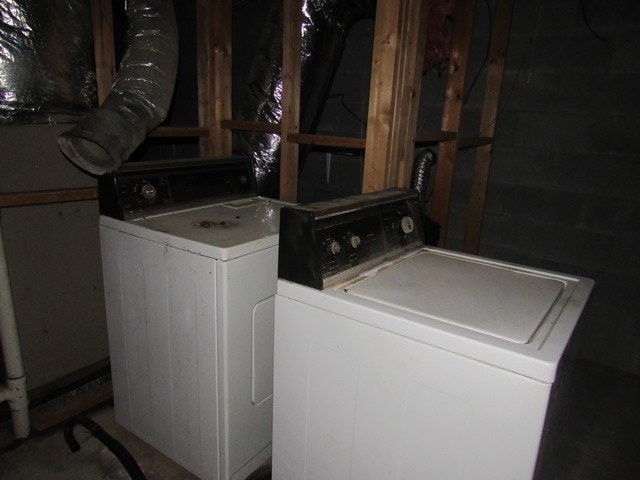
x=328 y=141
x=396 y=74
x=471 y=142
x=173 y=132
x=381 y=95
x=204 y=12
x=435 y=137
x=452 y=112
x=58 y=412
x=489 y=117
x=103 y=47
x=291 y=22
x=413 y=61
x=214 y=74
x=251 y=126
x=22 y=199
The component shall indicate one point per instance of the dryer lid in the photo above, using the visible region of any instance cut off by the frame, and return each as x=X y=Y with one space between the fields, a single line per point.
x=494 y=299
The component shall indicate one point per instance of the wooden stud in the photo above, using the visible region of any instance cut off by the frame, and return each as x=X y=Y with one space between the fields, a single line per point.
x=292 y=38
x=204 y=11
x=452 y=112
x=381 y=95
x=103 y=47
x=495 y=73
x=413 y=61
x=394 y=93
x=214 y=74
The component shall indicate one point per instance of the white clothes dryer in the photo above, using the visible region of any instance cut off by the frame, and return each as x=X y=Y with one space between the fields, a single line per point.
x=190 y=277
x=395 y=360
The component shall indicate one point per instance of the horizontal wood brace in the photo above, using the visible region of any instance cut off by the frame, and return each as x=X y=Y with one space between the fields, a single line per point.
x=251 y=126
x=327 y=140
x=21 y=199
x=173 y=132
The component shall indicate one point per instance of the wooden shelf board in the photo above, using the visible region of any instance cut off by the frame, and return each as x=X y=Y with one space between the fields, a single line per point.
x=251 y=126
x=173 y=132
x=22 y=199
x=472 y=142
x=327 y=141
x=435 y=137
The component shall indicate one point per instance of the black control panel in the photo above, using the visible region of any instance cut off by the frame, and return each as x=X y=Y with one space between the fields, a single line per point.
x=323 y=242
x=146 y=188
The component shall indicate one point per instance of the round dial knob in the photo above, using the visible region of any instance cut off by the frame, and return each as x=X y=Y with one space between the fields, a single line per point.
x=406 y=224
x=334 y=247
x=355 y=241
x=146 y=190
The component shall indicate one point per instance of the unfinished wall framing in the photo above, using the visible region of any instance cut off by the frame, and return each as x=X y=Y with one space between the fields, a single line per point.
x=394 y=94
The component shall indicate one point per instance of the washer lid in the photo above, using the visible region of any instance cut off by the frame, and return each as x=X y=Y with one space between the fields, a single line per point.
x=507 y=303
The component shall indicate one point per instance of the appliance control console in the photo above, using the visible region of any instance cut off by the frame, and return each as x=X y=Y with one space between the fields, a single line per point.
x=325 y=242
x=146 y=188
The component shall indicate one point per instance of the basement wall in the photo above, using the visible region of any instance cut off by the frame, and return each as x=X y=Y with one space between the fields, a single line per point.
x=53 y=255
x=564 y=190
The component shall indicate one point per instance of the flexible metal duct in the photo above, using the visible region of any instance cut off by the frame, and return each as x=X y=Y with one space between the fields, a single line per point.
x=141 y=95
x=46 y=69
x=325 y=25
x=422 y=163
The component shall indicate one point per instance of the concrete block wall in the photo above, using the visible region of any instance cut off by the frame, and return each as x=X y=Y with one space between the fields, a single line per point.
x=564 y=191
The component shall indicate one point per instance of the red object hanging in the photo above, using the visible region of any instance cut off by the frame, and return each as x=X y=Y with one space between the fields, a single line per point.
x=438 y=41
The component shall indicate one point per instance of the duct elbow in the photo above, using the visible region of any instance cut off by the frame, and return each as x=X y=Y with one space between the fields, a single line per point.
x=141 y=95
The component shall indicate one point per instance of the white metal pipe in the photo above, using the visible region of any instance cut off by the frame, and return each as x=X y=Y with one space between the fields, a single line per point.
x=15 y=390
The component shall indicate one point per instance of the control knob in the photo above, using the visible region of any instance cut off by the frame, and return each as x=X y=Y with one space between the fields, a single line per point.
x=355 y=241
x=406 y=224
x=147 y=191
x=334 y=247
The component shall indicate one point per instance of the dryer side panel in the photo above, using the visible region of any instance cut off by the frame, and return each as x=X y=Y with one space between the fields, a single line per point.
x=245 y=330
x=161 y=316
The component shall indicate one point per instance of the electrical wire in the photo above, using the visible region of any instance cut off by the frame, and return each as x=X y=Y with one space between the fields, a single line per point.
x=528 y=52
x=346 y=107
x=486 y=53
x=588 y=25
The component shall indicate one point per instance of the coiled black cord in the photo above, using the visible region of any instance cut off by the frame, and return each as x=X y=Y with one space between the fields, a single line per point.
x=114 y=446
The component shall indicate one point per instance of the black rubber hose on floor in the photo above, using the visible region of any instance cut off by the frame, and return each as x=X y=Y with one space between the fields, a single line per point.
x=262 y=473
x=114 y=446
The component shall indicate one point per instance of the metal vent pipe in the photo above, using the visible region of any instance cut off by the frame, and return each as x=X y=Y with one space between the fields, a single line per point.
x=141 y=95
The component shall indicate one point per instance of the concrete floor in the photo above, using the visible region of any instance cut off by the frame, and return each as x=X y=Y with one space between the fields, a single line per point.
x=593 y=434
x=47 y=456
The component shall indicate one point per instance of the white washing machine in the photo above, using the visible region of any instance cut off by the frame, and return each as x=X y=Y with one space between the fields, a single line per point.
x=190 y=277
x=395 y=360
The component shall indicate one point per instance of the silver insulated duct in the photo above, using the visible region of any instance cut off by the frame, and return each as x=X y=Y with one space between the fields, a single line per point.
x=141 y=95
x=325 y=25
